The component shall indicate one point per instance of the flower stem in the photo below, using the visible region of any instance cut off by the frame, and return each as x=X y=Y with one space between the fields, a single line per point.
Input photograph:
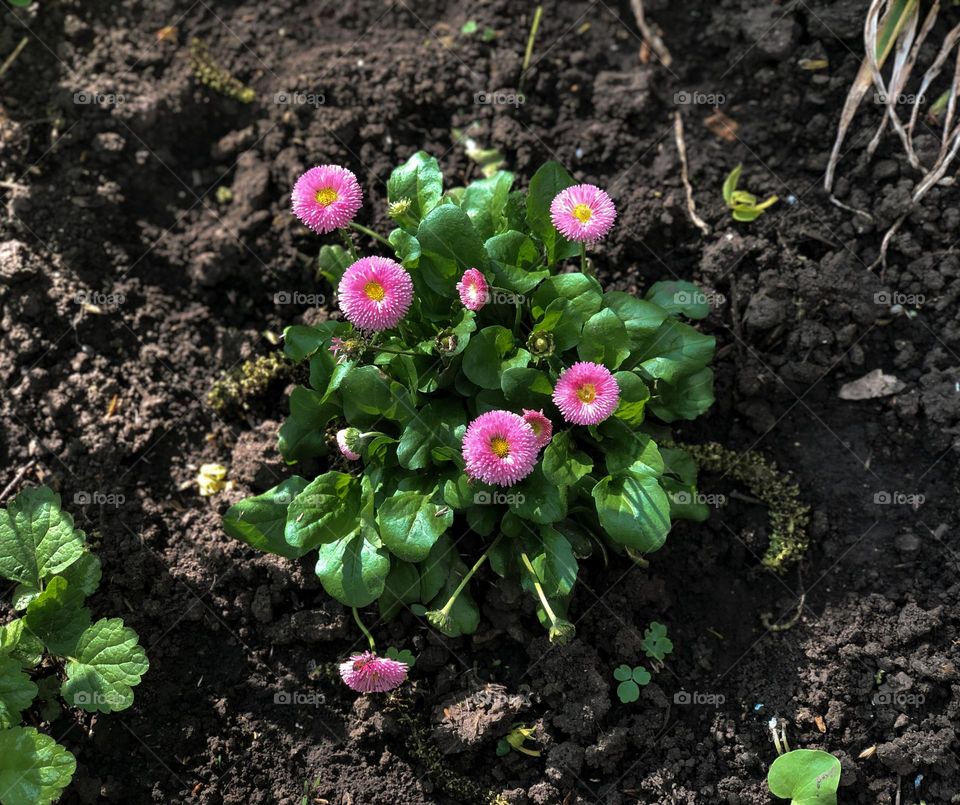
x=348 y=242
x=536 y=586
x=370 y=233
x=466 y=579
x=583 y=258
x=356 y=617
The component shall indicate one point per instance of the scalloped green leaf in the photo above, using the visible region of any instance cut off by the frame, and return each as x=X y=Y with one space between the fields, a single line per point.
x=57 y=616
x=34 y=768
x=107 y=663
x=17 y=692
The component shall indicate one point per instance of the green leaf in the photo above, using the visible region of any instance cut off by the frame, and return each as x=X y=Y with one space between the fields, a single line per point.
x=405 y=656
x=513 y=258
x=418 y=180
x=604 y=339
x=622 y=673
x=300 y=341
x=641 y=675
x=484 y=353
x=539 y=500
x=370 y=396
x=302 y=436
x=562 y=305
x=628 y=450
x=634 y=396
x=260 y=521
x=549 y=180
x=435 y=569
x=527 y=388
x=674 y=350
x=34 y=768
x=805 y=777
x=325 y=510
x=555 y=564
x=628 y=691
x=656 y=644
x=465 y=614
x=440 y=423
x=332 y=262
x=641 y=318
x=406 y=247
x=689 y=397
x=402 y=587
x=104 y=667
x=485 y=200
x=37 y=538
x=57 y=616
x=17 y=642
x=730 y=184
x=563 y=464
x=633 y=510
x=17 y=692
x=353 y=570
x=677 y=296
x=410 y=524
x=84 y=574
x=449 y=245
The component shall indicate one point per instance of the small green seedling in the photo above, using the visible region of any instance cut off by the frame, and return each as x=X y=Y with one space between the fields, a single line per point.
x=631 y=680
x=470 y=27
x=656 y=644
x=405 y=656
x=743 y=204
x=515 y=740
x=805 y=777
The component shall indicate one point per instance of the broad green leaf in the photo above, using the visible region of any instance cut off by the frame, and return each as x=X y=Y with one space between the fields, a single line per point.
x=106 y=664
x=449 y=245
x=17 y=693
x=674 y=350
x=465 y=614
x=485 y=200
x=370 y=396
x=634 y=396
x=563 y=464
x=539 y=500
x=546 y=183
x=300 y=341
x=677 y=296
x=57 y=616
x=689 y=397
x=406 y=247
x=260 y=521
x=435 y=569
x=527 y=388
x=303 y=435
x=34 y=768
x=562 y=305
x=484 y=354
x=604 y=339
x=37 y=538
x=641 y=318
x=805 y=777
x=410 y=524
x=626 y=449
x=555 y=564
x=633 y=510
x=85 y=573
x=402 y=587
x=332 y=262
x=17 y=643
x=326 y=510
x=440 y=423
x=513 y=259
x=353 y=570
x=419 y=181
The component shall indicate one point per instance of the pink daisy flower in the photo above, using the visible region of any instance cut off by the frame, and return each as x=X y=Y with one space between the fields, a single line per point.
x=499 y=448
x=346 y=438
x=375 y=293
x=583 y=213
x=326 y=198
x=473 y=289
x=542 y=427
x=368 y=673
x=586 y=393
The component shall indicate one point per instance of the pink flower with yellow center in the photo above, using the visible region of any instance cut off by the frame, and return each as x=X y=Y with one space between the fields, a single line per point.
x=583 y=213
x=586 y=393
x=326 y=198
x=473 y=289
x=542 y=427
x=375 y=293
x=368 y=673
x=500 y=448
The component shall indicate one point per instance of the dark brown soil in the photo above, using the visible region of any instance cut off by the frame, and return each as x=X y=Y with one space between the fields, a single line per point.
x=114 y=203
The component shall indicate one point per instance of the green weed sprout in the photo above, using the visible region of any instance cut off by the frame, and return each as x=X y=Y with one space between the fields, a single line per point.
x=516 y=739
x=805 y=777
x=743 y=204
x=631 y=680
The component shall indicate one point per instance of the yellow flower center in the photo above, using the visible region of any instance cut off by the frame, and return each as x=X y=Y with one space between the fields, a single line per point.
x=326 y=196
x=500 y=447
x=587 y=393
x=374 y=291
x=582 y=213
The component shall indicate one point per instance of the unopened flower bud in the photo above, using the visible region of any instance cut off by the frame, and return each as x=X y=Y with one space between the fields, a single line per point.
x=540 y=344
x=446 y=342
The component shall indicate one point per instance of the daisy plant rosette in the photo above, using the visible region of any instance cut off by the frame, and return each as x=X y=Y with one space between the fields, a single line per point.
x=479 y=405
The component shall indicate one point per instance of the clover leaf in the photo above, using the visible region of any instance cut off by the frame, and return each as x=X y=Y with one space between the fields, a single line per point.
x=656 y=644
x=405 y=656
x=34 y=768
x=805 y=777
x=631 y=680
x=106 y=663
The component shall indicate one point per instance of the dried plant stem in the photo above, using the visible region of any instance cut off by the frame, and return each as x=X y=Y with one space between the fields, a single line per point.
x=8 y=62
x=685 y=175
x=650 y=33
